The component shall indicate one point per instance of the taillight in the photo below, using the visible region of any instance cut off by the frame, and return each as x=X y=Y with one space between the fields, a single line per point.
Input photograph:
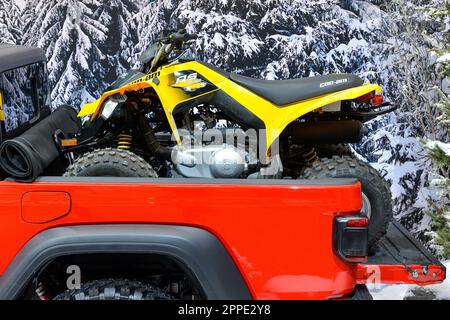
x=358 y=223
x=378 y=99
x=365 y=98
x=350 y=238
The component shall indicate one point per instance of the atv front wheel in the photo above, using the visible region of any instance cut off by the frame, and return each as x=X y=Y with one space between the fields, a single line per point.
x=110 y=163
x=114 y=289
x=376 y=195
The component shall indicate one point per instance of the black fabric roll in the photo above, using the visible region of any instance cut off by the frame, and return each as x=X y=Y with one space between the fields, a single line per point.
x=27 y=156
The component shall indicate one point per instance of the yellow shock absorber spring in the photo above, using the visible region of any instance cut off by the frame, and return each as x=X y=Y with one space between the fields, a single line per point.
x=309 y=155
x=125 y=141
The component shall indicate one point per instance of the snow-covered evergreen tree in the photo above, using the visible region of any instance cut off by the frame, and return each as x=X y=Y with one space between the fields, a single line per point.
x=308 y=38
x=153 y=17
x=88 y=44
x=407 y=69
x=270 y=39
x=121 y=35
x=10 y=22
x=440 y=154
x=228 y=34
x=439 y=150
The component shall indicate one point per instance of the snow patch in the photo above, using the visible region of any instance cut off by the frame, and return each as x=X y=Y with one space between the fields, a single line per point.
x=439 y=145
x=444 y=59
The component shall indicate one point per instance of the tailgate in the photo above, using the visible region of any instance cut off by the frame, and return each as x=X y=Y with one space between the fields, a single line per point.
x=401 y=259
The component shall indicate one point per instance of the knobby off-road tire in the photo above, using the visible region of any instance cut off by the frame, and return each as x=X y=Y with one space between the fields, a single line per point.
x=374 y=188
x=110 y=163
x=115 y=289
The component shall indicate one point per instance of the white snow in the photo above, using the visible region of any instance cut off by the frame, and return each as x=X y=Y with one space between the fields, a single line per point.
x=20 y=3
x=442 y=291
x=433 y=145
x=444 y=58
x=390 y=292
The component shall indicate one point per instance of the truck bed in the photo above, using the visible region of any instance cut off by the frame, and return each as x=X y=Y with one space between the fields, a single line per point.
x=279 y=233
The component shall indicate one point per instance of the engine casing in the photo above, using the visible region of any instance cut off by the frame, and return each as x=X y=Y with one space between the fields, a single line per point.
x=217 y=161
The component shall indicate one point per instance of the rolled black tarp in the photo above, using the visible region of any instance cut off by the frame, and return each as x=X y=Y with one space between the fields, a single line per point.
x=28 y=155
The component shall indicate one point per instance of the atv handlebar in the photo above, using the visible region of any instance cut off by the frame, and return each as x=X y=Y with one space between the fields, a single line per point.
x=178 y=38
x=174 y=41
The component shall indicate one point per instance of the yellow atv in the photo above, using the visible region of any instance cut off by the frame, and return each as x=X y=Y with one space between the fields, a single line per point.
x=185 y=118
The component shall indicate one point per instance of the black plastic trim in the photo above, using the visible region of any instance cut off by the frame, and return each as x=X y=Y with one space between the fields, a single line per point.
x=216 y=69
x=229 y=106
x=198 y=250
x=350 y=241
x=125 y=79
x=12 y=56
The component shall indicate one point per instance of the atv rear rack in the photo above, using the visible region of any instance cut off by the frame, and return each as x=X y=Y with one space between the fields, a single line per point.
x=380 y=110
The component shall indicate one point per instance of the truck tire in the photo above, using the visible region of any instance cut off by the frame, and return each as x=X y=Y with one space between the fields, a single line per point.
x=114 y=289
x=361 y=293
x=376 y=192
x=331 y=150
x=110 y=163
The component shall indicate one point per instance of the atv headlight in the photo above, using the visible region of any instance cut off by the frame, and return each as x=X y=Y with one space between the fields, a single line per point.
x=111 y=105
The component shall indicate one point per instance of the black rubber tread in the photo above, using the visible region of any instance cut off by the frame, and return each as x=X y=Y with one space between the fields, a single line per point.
x=331 y=150
x=374 y=186
x=115 y=289
x=361 y=293
x=110 y=162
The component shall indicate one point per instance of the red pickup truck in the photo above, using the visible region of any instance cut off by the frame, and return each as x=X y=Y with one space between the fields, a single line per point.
x=197 y=239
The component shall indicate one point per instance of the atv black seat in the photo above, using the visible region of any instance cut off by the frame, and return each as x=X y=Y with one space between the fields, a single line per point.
x=284 y=92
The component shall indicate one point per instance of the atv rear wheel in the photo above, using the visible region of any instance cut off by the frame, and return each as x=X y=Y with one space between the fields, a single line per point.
x=115 y=289
x=110 y=163
x=377 y=196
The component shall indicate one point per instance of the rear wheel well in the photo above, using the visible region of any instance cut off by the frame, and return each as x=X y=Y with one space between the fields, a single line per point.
x=159 y=270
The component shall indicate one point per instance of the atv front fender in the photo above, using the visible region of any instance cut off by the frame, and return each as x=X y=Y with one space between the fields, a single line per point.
x=89 y=108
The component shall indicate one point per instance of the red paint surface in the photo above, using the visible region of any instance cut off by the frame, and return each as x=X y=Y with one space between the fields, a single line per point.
x=280 y=236
x=397 y=274
x=45 y=206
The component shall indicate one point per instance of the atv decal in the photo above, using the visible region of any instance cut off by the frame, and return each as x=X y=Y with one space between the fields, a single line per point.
x=193 y=77
x=332 y=83
x=149 y=77
x=192 y=83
